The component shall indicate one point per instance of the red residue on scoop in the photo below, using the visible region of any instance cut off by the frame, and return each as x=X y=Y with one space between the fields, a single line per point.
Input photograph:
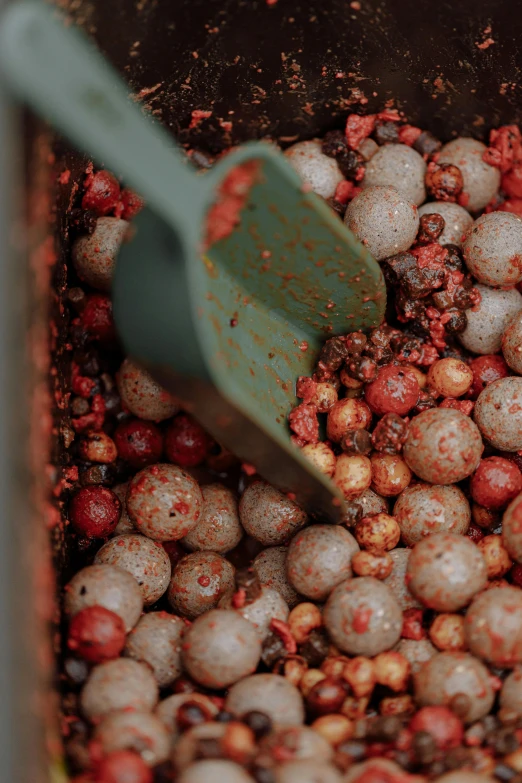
x=225 y=214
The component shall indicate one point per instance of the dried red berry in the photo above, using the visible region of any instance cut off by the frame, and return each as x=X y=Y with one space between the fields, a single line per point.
x=131 y=203
x=140 y=443
x=97 y=318
x=94 y=512
x=102 y=192
x=495 y=482
x=186 y=442
x=486 y=369
x=123 y=766
x=445 y=728
x=393 y=391
x=96 y=634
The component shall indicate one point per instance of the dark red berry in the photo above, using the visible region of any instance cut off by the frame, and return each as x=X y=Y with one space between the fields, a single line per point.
x=441 y=723
x=94 y=512
x=140 y=443
x=123 y=766
x=97 y=319
x=96 y=634
x=131 y=203
x=395 y=390
x=486 y=369
x=186 y=442
x=495 y=482
x=102 y=192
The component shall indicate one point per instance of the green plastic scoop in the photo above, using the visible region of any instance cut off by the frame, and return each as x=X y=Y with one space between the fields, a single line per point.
x=225 y=319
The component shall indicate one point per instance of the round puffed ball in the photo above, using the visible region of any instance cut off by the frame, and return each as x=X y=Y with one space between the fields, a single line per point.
x=215 y=771
x=269 y=605
x=495 y=483
x=400 y=166
x=270 y=568
x=314 y=167
x=307 y=771
x=107 y=586
x=269 y=693
x=487 y=323
x=94 y=255
x=347 y=414
x=146 y=560
x=511 y=692
x=122 y=684
x=498 y=414
x=198 y=582
x=416 y=652
x=492 y=626
x=218 y=528
x=424 y=509
x=299 y=742
x=457 y=220
x=394 y=390
x=320 y=455
x=377 y=534
x=465 y=776
x=167 y=709
x=220 y=648
x=363 y=617
x=512 y=529
x=141 y=732
x=125 y=525
x=450 y=377
x=372 y=503
x=383 y=220
x=353 y=474
x=512 y=344
x=481 y=181
x=390 y=474
x=450 y=673
x=269 y=516
x=443 y=445
x=156 y=640
x=445 y=571
x=396 y=581
x=142 y=395
x=492 y=249
x=319 y=557
x=164 y=502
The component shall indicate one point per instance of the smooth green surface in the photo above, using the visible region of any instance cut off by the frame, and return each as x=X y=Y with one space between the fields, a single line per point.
x=289 y=275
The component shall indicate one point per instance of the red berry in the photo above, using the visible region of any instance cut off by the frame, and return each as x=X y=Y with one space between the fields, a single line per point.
x=486 y=369
x=97 y=319
x=131 y=202
x=186 y=442
x=96 y=634
x=394 y=390
x=123 y=766
x=516 y=574
x=102 y=192
x=495 y=482
x=140 y=443
x=443 y=725
x=475 y=533
x=94 y=512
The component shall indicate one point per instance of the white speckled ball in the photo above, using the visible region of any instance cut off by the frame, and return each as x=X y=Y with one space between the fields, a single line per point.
x=145 y=559
x=198 y=582
x=396 y=580
x=314 y=167
x=319 y=557
x=215 y=771
x=498 y=413
x=492 y=249
x=141 y=732
x=125 y=524
x=262 y=610
x=141 y=394
x=270 y=568
x=423 y=509
x=383 y=220
x=512 y=344
x=121 y=684
x=156 y=640
x=457 y=220
x=269 y=693
x=416 y=651
x=218 y=528
x=94 y=256
x=107 y=586
x=486 y=325
x=401 y=167
x=481 y=181
x=307 y=771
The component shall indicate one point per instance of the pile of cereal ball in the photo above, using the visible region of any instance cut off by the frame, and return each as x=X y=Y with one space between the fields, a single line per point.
x=214 y=632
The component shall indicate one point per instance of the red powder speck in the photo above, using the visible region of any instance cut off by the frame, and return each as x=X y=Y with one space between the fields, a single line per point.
x=197 y=116
x=204 y=581
x=361 y=620
x=64 y=177
x=249 y=469
x=485 y=44
x=233 y=192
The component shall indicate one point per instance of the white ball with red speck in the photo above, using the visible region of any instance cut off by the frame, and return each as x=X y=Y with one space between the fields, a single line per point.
x=396 y=580
x=314 y=167
x=498 y=413
x=142 y=395
x=94 y=256
x=218 y=528
x=198 y=582
x=125 y=524
x=269 y=605
x=107 y=586
x=401 y=167
x=270 y=568
x=145 y=559
x=457 y=220
x=512 y=344
x=488 y=321
x=269 y=693
x=416 y=651
x=268 y=515
x=319 y=557
x=424 y=509
x=383 y=220
x=481 y=181
x=492 y=249
x=121 y=684
x=142 y=732
x=156 y=640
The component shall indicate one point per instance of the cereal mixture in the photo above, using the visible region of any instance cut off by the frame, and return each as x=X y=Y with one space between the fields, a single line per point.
x=213 y=632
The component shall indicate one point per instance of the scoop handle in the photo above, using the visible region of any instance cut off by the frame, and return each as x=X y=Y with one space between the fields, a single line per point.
x=64 y=78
